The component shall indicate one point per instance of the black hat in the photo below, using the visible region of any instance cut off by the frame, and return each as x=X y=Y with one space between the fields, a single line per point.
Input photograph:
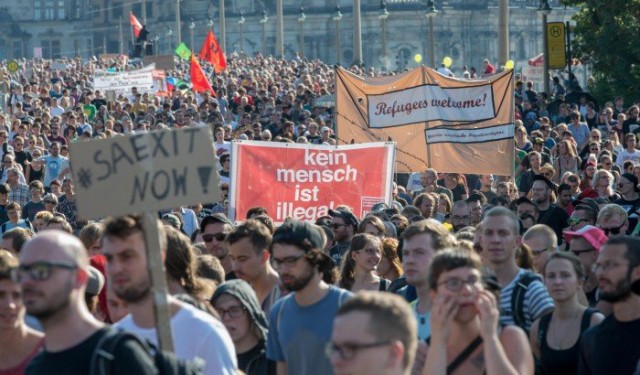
x=296 y=232
x=524 y=200
x=631 y=177
x=347 y=216
x=589 y=202
x=548 y=182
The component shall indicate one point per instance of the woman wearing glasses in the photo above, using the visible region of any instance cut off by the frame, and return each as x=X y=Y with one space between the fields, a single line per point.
x=359 y=267
x=465 y=335
x=19 y=342
x=555 y=337
x=240 y=312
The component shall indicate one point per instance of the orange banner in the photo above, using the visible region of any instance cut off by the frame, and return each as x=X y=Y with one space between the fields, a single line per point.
x=452 y=125
x=303 y=181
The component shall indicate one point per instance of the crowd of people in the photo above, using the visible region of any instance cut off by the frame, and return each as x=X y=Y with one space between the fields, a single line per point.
x=462 y=274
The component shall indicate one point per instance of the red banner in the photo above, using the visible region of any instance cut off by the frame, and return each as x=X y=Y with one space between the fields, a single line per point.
x=303 y=181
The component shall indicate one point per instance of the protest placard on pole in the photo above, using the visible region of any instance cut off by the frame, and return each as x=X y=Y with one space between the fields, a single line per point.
x=144 y=173
x=304 y=181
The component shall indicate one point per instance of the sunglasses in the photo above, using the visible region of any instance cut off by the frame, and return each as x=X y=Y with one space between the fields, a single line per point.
x=218 y=236
x=614 y=230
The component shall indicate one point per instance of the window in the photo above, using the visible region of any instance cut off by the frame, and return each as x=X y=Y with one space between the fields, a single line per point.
x=49 y=10
x=60 y=11
x=17 y=48
x=37 y=10
x=116 y=11
x=55 y=49
x=50 y=49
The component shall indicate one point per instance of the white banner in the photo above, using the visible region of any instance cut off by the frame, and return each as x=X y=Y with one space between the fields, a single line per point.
x=534 y=74
x=429 y=103
x=469 y=135
x=122 y=82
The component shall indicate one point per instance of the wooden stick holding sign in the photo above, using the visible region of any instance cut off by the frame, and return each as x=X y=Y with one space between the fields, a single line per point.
x=146 y=172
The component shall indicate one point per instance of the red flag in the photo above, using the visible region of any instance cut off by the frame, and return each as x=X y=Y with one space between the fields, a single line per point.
x=212 y=53
x=199 y=81
x=135 y=24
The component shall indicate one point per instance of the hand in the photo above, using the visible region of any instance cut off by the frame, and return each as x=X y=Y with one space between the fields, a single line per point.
x=488 y=312
x=443 y=310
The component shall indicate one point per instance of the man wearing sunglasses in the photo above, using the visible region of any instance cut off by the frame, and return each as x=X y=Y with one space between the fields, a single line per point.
x=53 y=285
x=345 y=225
x=373 y=333
x=613 y=220
x=630 y=200
x=214 y=229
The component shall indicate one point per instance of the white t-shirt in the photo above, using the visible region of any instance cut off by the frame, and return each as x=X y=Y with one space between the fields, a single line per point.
x=196 y=334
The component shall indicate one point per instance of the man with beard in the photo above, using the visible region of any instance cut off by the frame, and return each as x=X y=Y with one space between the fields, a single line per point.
x=300 y=324
x=53 y=284
x=549 y=214
x=460 y=215
x=612 y=347
x=196 y=334
x=214 y=230
x=345 y=225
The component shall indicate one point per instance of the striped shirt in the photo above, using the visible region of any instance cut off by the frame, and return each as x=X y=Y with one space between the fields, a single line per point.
x=536 y=302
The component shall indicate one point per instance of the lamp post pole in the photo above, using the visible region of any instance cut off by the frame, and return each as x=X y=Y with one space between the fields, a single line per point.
x=241 y=23
x=337 y=16
x=384 y=14
x=357 y=33
x=178 y=22
x=121 y=36
x=169 y=34
x=223 y=29
x=545 y=10
x=431 y=14
x=503 y=32
x=263 y=22
x=301 y=20
x=280 y=31
x=192 y=26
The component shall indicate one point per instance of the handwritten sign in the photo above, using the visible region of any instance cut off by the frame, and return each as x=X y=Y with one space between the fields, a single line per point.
x=146 y=171
x=428 y=103
x=122 y=82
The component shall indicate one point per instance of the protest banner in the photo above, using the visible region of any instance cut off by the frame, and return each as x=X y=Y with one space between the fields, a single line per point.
x=304 y=181
x=122 y=82
x=449 y=124
x=146 y=172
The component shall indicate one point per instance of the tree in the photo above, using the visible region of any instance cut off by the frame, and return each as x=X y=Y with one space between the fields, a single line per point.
x=606 y=37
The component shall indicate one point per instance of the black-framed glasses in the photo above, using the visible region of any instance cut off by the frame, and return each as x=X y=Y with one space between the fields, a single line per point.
x=41 y=271
x=233 y=312
x=218 y=236
x=613 y=230
x=49 y=201
x=348 y=351
x=286 y=261
x=605 y=266
x=455 y=284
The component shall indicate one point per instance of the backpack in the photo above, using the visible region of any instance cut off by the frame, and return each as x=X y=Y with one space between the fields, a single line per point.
x=517 y=297
x=166 y=363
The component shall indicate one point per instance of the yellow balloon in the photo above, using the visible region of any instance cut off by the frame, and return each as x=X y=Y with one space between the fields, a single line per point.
x=509 y=64
x=417 y=58
x=447 y=61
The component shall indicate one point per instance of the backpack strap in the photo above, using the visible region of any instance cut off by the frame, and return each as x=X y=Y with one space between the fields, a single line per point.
x=384 y=285
x=517 y=297
x=104 y=352
x=457 y=361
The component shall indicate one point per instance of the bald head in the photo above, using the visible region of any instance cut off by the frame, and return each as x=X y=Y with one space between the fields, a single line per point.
x=55 y=245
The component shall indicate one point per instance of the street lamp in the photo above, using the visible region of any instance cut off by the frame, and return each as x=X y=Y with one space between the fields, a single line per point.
x=241 y=23
x=337 y=16
x=210 y=23
x=384 y=14
x=301 y=20
x=192 y=25
x=545 y=9
x=431 y=13
x=156 y=38
x=263 y=22
x=169 y=34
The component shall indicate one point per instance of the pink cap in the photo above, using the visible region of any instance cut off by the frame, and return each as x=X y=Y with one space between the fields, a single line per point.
x=594 y=236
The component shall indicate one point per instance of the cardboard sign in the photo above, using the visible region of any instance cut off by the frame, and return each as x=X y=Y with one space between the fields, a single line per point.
x=449 y=124
x=164 y=62
x=147 y=171
x=304 y=181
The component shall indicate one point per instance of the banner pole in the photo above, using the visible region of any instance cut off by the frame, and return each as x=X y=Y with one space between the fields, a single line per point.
x=426 y=123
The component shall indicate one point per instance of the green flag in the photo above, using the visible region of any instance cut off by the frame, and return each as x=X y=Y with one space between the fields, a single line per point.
x=183 y=51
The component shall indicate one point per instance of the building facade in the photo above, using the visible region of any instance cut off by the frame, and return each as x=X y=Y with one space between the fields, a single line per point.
x=465 y=30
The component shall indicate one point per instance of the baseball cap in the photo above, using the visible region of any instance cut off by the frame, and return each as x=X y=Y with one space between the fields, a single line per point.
x=348 y=217
x=594 y=236
x=324 y=129
x=538 y=141
x=547 y=182
x=172 y=219
x=296 y=232
x=95 y=281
